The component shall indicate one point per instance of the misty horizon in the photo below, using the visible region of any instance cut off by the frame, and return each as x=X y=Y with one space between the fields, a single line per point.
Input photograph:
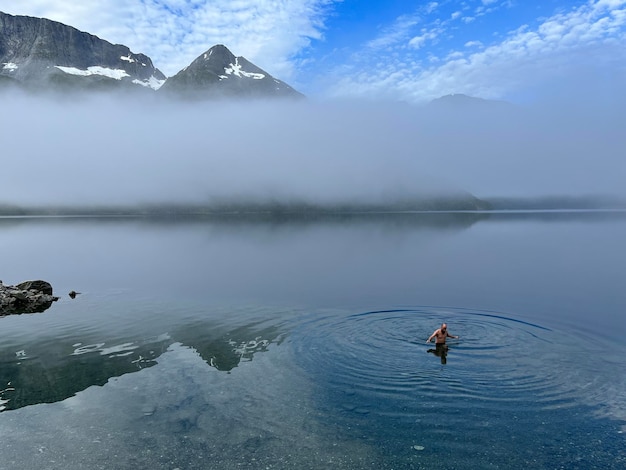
x=102 y=151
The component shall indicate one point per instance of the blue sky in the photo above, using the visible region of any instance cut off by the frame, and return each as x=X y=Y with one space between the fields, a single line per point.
x=396 y=50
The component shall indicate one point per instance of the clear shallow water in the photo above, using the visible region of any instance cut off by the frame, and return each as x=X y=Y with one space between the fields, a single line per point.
x=301 y=344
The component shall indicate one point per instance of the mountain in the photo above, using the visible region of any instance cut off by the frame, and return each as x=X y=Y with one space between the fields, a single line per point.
x=461 y=102
x=460 y=111
x=219 y=73
x=40 y=54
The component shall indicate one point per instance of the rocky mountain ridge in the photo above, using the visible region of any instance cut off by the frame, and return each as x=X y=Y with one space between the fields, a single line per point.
x=41 y=54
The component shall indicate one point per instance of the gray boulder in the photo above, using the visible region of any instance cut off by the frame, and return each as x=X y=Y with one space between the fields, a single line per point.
x=26 y=297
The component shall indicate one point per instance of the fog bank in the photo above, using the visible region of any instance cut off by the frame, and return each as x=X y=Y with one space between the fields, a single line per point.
x=103 y=150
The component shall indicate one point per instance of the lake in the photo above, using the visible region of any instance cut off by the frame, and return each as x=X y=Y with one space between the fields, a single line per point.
x=281 y=343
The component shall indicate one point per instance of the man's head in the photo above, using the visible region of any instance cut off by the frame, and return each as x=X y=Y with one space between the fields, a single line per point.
x=444 y=327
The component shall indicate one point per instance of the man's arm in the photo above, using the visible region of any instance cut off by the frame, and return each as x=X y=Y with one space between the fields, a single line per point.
x=432 y=336
x=452 y=336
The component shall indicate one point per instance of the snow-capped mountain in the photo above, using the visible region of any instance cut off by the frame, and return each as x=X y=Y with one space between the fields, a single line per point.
x=219 y=73
x=39 y=52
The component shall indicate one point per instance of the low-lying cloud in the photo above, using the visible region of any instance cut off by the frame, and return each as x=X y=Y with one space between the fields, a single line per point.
x=116 y=151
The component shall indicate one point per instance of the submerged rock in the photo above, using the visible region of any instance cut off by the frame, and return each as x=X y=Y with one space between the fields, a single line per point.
x=26 y=297
x=73 y=294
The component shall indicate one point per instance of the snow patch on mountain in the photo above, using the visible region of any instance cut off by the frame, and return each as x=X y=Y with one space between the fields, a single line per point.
x=10 y=66
x=129 y=59
x=116 y=74
x=235 y=69
x=151 y=82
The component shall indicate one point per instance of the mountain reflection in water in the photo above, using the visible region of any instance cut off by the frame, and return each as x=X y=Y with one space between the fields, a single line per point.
x=54 y=370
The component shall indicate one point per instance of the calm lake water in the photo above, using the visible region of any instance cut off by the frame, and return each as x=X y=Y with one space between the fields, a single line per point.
x=283 y=344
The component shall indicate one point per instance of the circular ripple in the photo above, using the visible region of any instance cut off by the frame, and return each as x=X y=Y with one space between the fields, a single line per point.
x=378 y=362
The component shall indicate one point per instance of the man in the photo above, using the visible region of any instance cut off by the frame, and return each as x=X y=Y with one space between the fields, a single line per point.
x=441 y=334
x=440 y=342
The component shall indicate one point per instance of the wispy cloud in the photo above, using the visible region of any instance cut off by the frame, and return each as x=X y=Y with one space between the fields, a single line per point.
x=590 y=36
x=425 y=36
x=398 y=32
x=404 y=30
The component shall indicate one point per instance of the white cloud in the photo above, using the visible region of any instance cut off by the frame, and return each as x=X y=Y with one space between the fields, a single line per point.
x=174 y=32
x=395 y=34
x=561 y=48
x=419 y=41
x=432 y=6
x=489 y=6
x=402 y=31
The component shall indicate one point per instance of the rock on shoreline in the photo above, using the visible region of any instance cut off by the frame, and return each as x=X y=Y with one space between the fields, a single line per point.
x=26 y=297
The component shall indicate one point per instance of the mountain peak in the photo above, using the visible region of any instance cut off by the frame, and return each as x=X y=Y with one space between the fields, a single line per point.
x=219 y=73
x=219 y=49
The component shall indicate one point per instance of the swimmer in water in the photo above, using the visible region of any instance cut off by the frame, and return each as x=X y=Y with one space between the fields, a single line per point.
x=441 y=348
x=441 y=334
